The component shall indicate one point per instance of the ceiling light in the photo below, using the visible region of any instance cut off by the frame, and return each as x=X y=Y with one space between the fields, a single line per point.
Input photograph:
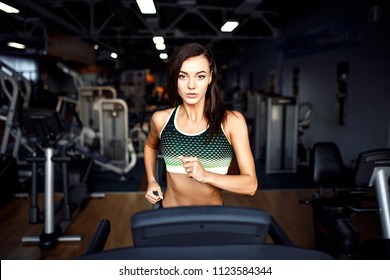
x=114 y=55
x=158 y=40
x=163 y=56
x=229 y=26
x=96 y=47
x=146 y=6
x=16 y=45
x=160 y=47
x=8 y=9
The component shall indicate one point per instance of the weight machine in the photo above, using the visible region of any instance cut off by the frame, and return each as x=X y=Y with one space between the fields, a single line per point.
x=105 y=135
x=281 y=145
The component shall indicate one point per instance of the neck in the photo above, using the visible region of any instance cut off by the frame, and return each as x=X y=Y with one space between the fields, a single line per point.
x=193 y=113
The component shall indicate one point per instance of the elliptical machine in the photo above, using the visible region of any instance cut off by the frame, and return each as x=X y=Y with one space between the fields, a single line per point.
x=44 y=128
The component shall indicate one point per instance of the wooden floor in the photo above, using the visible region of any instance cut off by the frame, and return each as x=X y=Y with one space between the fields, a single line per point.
x=295 y=219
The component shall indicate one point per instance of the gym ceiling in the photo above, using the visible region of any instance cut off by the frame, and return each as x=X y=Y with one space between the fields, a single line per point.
x=68 y=29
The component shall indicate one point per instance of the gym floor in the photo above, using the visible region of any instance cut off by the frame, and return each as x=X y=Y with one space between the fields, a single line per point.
x=283 y=204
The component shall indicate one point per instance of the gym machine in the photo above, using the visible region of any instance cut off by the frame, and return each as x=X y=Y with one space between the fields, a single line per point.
x=257 y=119
x=282 y=127
x=105 y=134
x=89 y=97
x=114 y=141
x=304 y=110
x=373 y=170
x=334 y=229
x=9 y=174
x=44 y=128
x=202 y=232
x=17 y=90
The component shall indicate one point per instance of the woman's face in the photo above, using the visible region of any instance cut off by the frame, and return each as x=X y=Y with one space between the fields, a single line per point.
x=194 y=78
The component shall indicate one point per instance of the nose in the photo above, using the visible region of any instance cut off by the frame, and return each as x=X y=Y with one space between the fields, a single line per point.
x=191 y=83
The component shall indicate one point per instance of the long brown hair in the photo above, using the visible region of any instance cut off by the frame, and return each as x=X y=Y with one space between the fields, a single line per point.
x=215 y=109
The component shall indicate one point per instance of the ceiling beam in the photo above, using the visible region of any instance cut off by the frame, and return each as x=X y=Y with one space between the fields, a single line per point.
x=120 y=10
x=48 y=14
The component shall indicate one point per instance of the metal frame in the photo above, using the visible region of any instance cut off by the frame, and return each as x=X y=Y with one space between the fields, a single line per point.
x=282 y=135
x=21 y=87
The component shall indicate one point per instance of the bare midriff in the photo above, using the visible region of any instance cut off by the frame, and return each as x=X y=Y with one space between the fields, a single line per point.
x=185 y=191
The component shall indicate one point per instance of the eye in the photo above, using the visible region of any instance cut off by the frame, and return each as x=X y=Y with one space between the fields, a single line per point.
x=182 y=77
x=201 y=77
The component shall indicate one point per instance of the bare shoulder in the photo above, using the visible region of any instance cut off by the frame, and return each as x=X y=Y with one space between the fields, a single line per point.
x=235 y=123
x=162 y=113
x=159 y=118
x=234 y=118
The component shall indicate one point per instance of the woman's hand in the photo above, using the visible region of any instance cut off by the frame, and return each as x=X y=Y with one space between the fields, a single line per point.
x=154 y=193
x=194 y=168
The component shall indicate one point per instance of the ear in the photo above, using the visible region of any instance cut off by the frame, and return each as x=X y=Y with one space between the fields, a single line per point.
x=211 y=77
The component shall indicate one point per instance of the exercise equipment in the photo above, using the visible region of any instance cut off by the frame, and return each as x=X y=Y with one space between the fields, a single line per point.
x=373 y=170
x=210 y=252
x=17 y=90
x=240 y=218
x=332 y=219
x=333 y=215
x=105 y=135
x=114 y=141
x=304 y=120
x=281 y=148
x=194 y=226
x=89 y=97
x=110 y=147
x=99 y=238
x=203 y=232
x=256 y=115
x=10 y=178
x=44 y=128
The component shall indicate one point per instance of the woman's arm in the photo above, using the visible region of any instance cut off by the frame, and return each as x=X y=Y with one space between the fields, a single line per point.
x=244 y=183
x=150 y=158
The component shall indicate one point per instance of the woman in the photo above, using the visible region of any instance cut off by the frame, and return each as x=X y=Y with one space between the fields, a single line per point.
x=198 y=137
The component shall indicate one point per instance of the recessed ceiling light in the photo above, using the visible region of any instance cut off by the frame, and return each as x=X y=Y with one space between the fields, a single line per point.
x=16 y=45
x=160 y=47
x=158 y=40
x=8 y=9
x=229 y=26
x=146 y=6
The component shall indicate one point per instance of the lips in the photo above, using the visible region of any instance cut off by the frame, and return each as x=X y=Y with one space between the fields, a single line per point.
x=191 y=95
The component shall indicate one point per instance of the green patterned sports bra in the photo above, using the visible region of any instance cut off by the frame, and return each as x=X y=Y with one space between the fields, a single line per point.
x=215 y=155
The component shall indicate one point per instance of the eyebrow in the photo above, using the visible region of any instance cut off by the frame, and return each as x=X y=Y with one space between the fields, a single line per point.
x=195 y=73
